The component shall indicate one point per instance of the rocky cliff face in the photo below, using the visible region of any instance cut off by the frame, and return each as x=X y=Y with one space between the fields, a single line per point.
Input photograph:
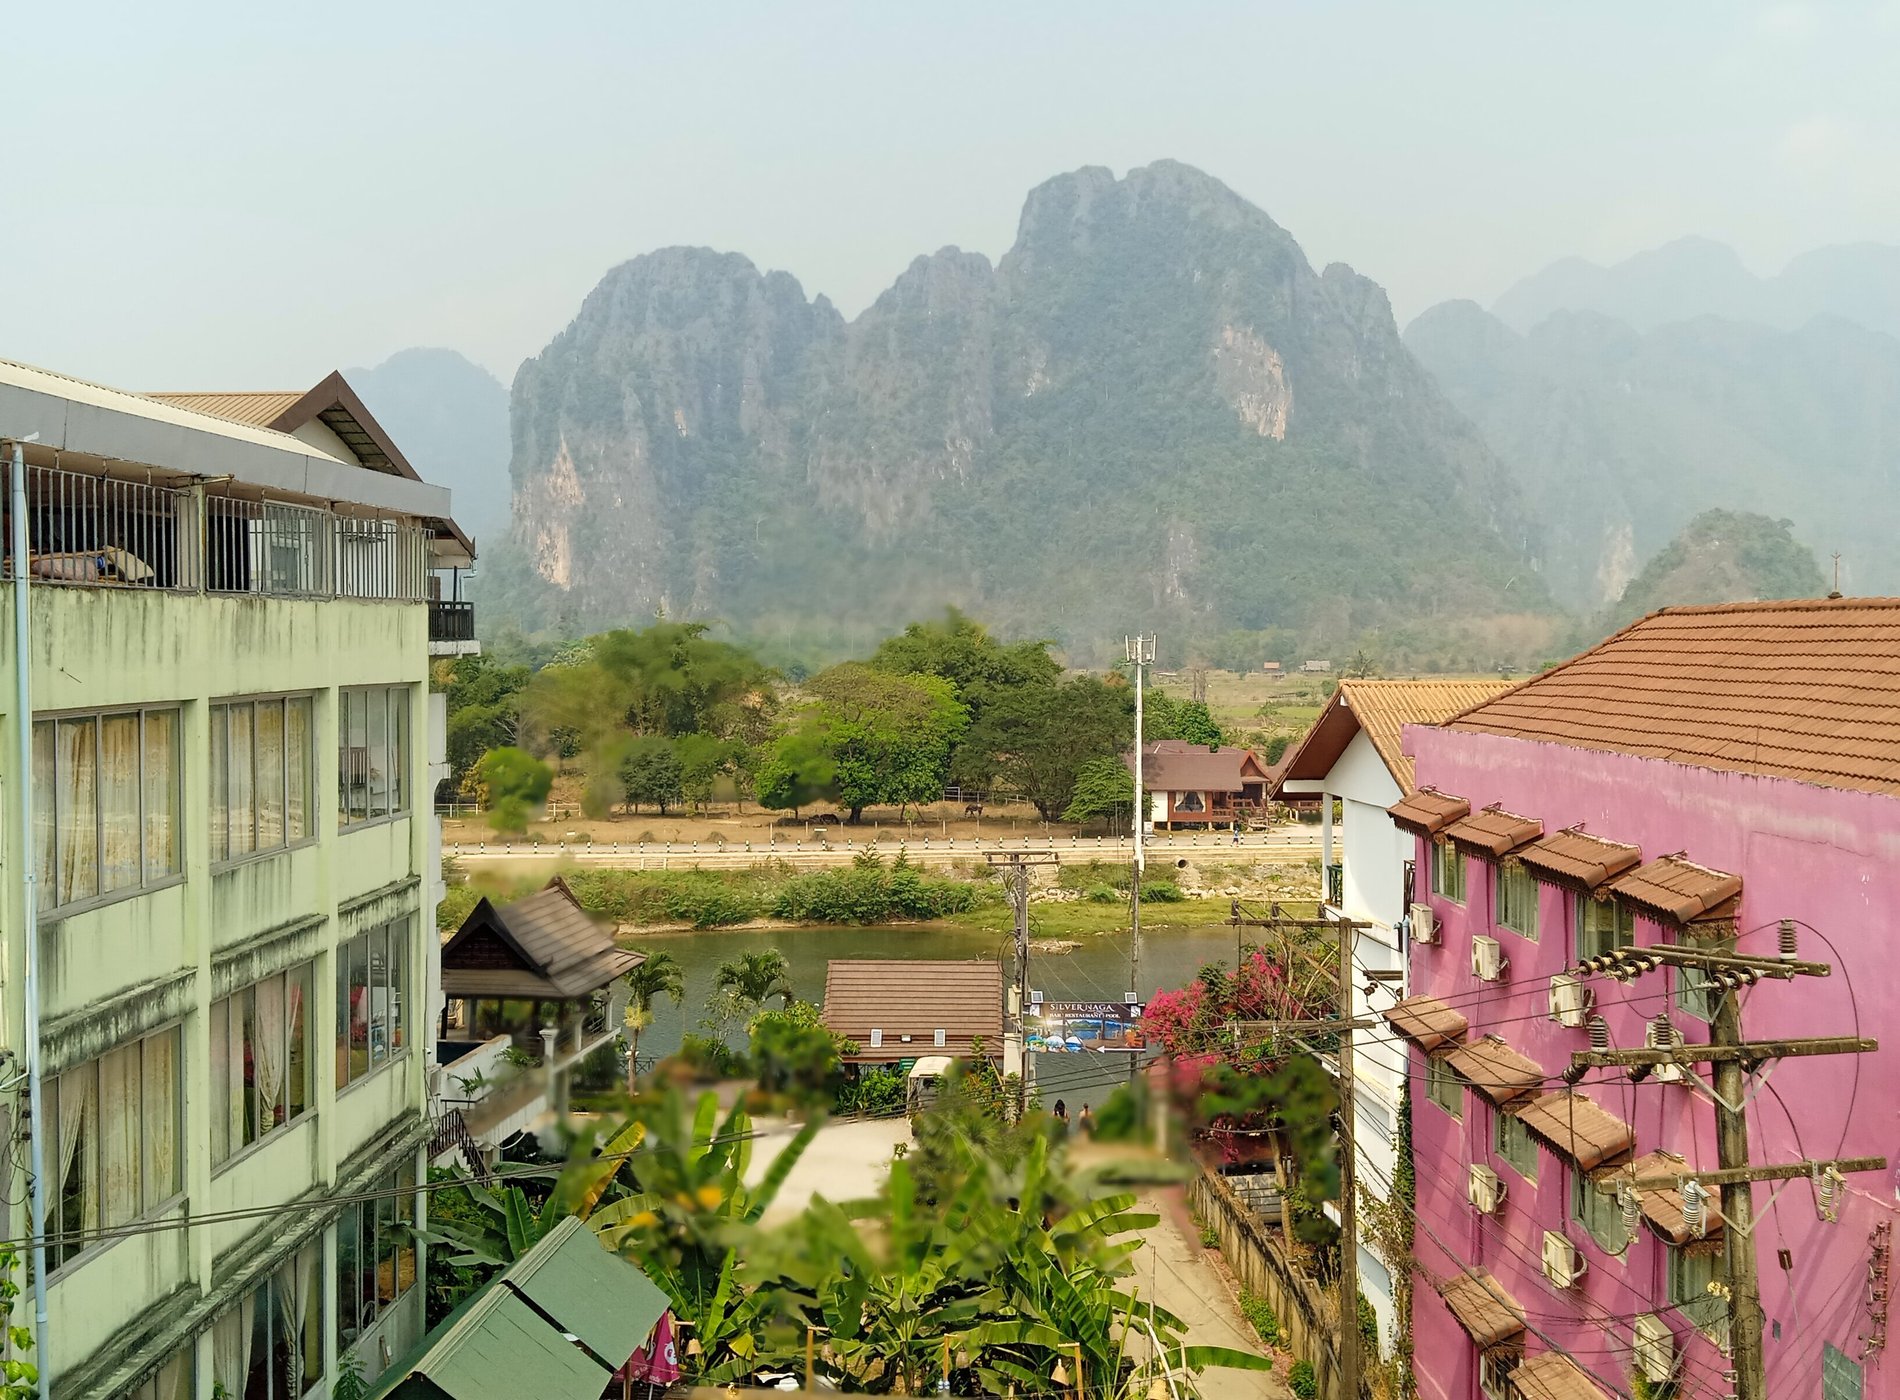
x=1152 y=407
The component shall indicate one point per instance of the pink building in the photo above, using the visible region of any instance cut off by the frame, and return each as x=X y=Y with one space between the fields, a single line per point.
x=1702 y=775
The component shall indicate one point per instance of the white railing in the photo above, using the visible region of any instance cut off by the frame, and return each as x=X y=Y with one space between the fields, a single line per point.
x=101 y=531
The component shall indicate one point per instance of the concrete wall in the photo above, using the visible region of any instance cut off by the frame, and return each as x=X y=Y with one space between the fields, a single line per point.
x=1828 y=858
x=185 y=945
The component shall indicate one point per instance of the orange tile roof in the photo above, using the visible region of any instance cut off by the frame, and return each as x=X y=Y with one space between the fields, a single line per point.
x=1807 y=689
x=1427 y=1022
x=1678 y=890
x=1427 y=811
x=1495 y=1070
x=1483 y=1307
x=1384 y=708
x=1662 y=1207
x=1551 y=1375
x=258 y=408
x=1576 y=1127
x=1575 y=858
x=1494 y=832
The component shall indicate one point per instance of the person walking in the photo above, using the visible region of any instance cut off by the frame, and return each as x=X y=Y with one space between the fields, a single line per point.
x=1062 y=1119
x=1085 y=1122
x=1236 y=831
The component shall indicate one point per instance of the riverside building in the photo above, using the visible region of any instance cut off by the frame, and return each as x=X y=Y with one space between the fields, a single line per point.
x=222 y=989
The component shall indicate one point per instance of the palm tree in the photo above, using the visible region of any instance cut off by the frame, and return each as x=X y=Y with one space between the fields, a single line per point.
x=757 y=977
x=659 y=975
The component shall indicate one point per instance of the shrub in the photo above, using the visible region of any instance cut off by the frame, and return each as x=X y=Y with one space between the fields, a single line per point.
x=710 y=1058
x=1260 y=1317
x=1120 y=1117
x=1161 y=892
x=1300 y=1380
x=875 y=1093
x=1103 y=894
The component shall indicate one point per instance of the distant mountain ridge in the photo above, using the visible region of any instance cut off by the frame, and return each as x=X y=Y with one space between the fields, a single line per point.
x=1152 y=408
x=1692 y=277
x=1722 y=556
x=1620 y=437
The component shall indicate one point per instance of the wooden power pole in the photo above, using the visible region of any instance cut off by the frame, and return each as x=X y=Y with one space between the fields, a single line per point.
x=1738 y=1204
x=1015 y=869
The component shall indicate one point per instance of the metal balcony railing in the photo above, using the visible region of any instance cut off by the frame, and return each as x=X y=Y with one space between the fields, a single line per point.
x=1336 y=884
x=101 y=531
x=451 y=622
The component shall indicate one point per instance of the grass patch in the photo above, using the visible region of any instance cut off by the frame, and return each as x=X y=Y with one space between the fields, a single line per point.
x=1260 y=1317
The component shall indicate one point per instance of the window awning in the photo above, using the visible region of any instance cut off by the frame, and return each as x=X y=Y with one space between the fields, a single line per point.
x=1495 y=1070
x=1577 y=1128
x=1427 y=1022
x=1551 y=1375
x=1490 y=1316
x=1494 y=832
x=1679 y=891
x=1662 y=1209
x=1577 y=860
x=1427 y=811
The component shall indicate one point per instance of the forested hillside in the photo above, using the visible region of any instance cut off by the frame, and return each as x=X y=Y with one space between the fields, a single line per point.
x=1153 y=408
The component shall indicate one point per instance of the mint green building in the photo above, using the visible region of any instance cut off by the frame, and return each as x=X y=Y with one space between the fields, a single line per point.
x=229 y=826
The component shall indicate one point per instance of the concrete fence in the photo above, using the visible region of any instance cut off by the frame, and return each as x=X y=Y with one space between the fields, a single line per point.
x=1253 y=1251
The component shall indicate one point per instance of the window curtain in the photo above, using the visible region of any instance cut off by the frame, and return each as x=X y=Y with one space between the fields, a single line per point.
x=379 y=770
x=77 y=806
x=270 y=774
x=231 y=1345
x=243 y=800
x=227 y=1078
x=297 y=768
x=119 y=865
x=294 y=1287
x=160 y=1114
x=161 y=793
x=45 y=798
x=119 y=1112
x=175 y=1378
x=398 y=749
x=267 y=1053
x=78 y=1123
x=220 y=771
x=296 y=1056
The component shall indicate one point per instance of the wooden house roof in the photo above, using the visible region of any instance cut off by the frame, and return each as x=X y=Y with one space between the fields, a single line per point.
x=543 y=947
x=915 y=998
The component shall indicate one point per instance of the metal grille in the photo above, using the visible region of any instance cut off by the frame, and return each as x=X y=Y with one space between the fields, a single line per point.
x=103 y=532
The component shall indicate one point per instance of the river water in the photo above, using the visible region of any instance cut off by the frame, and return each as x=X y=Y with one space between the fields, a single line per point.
x=1095 y=969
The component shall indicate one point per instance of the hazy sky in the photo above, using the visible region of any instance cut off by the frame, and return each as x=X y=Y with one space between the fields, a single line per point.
x=247 y=196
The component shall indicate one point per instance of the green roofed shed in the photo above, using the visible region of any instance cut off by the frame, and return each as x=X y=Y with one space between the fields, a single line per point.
x=588 y=1291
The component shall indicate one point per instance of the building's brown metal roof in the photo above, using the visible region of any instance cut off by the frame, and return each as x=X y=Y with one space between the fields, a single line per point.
x=1576 y=1127
x=1169 y=765
x=1427 y=811
x=1382 y=709
x=257 y=408
x=554 y=942
x=1494 y=832
x=1807 y=690
x=1427 y=1022
x=1551 y=1375
x=1495 y=1070
x=1662 y=1209
x=915 y=997
x=1678 y=890
x=1575 y=858
x=1483 y=1307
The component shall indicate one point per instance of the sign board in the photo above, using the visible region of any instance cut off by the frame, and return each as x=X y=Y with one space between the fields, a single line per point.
x=1078 y=1026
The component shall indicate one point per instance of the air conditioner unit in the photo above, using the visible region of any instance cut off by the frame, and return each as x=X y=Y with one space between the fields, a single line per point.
x=1488 y=963
x=1563 y=1266
x=1655 y=1349
x=1485 y=1189
x=1424 y=926
x=1570 y=1000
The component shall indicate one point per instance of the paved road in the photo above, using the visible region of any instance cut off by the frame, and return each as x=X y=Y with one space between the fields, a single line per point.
x=844 y=1162
x=1290 y=846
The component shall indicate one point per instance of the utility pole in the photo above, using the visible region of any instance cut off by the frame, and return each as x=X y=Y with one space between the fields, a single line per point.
x=1733 y=1060
x=1349 y=1338
x=1015 y=866
x=1141 y=653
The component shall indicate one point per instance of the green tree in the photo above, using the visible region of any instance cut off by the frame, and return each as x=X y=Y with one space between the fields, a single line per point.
x=649 y=771
x=961 y=650
x=756 y=977
x=1103 y=787
x=796 y=773
x=658 y=975
x=514 y=784
x=888 y=737
x=1164 y=717
x=704 y=759
x=1035 y=741
x=796 y=1054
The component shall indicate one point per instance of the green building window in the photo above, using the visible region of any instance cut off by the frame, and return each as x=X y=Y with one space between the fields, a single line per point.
x=1603 y=926
x=1443 y=1086
x=1691 y=1270
x=1841 y=1377
x=114 y=1142
x=1598 y=1213
x=1515 y=1145
x=1448 y=871
x=372 y=997
x=1517 y=900
x=105 y=803
x=375 y=1257
x=260 y=776
x=260 y=1060
x=372 y=754
x=269 y=1346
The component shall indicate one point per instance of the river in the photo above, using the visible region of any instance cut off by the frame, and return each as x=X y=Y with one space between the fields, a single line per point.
x=1096 y=969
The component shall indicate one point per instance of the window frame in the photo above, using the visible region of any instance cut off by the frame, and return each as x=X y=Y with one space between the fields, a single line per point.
x=387 y=1212
x=1686 y=1301
x=219 y=711
x=1833 y=1357
x=1447 y=857
x=88 y=1250
x=396 y=733
x=1503 y=1123
x=1622 y=930
x=1582 y=1190
x=47 y=906
x=399 y=982
x=1512 y=875
x=1440 y=1076
x=308 y=971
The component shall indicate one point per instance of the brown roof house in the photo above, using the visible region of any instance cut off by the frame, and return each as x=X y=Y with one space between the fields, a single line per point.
x=1201 y=785
x=538 y=975
x=903 y=1008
